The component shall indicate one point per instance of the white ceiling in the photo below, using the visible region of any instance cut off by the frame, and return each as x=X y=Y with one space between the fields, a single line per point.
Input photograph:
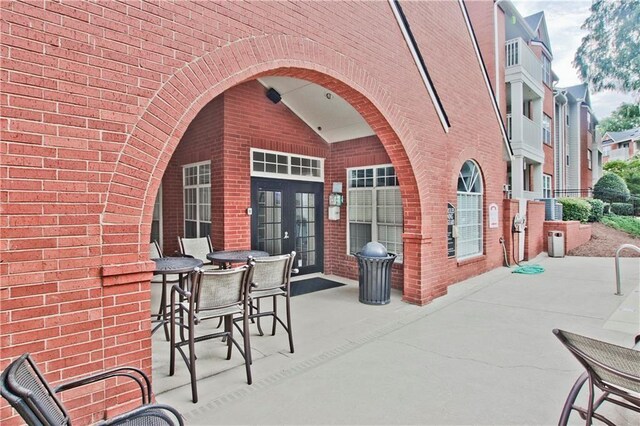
x=330 y=116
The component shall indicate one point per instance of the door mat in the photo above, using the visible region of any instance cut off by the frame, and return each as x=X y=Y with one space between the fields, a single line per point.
x=312 y=284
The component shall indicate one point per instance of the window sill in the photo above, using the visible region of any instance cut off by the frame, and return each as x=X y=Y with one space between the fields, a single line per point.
x=471 y=260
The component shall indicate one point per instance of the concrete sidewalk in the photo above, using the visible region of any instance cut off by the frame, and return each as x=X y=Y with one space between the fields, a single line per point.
x=483 y=354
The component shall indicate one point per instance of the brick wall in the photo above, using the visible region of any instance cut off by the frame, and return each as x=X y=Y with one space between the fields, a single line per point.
x=533 y=244
x=575 y=233
x=586 y=139
x=97 y=97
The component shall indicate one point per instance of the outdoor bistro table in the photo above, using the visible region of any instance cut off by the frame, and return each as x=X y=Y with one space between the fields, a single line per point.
x=226 y=257
x=168 y=266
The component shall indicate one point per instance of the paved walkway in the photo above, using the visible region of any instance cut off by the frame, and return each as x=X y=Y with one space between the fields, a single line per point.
x=483 y=354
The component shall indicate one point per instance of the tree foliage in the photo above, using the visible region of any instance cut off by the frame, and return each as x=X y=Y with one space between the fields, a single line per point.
x=625 y=117
x=609 y=55
x=628 y=170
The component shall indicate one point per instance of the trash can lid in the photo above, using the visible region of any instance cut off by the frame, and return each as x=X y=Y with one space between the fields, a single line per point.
x=374 y=249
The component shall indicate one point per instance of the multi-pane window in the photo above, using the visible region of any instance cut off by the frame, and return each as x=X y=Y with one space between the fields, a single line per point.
x=546 y=70
x=286 y=166
x=197 y=199
x=589 y=159
x=469 y=211
x=546 y=129
x=375 y=209
x=156 y=221
x=546 y=186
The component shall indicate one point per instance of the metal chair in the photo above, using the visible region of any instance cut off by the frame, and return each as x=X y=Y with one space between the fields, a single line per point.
x=272 y=279
x=212 y=294
x=24 y=386
x=197 y=248
x=612 y=369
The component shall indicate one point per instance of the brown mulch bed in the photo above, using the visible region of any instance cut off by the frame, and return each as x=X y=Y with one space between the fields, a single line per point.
x=604 y=243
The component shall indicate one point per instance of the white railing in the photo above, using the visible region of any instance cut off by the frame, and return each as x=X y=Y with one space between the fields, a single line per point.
x=509 y=123
x=531 y=133
x=519 y=54
x=619 y=154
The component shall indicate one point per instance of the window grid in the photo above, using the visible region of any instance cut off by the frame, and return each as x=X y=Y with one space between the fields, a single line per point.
x=375 y=209
x=197 y=200
x=546 y=186
x=270 y=164
x=469 y=215
x=546 y=130
x=589 y=159
x=546 y=70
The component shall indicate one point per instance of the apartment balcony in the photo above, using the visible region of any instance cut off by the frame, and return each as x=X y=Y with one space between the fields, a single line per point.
x=618 y=154
x=528 y=142
x=523 y=65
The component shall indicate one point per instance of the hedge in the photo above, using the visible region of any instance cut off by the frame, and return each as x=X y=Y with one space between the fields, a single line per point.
x=597 y=209
x=575 y=209
x=611 y=188
x=622 y=209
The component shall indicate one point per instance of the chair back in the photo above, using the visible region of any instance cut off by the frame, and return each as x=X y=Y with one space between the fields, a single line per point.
x=28 y=392
x=272 y=272
x=215 y=289
x=196 y=247
x=607 y=364
x=154 y=250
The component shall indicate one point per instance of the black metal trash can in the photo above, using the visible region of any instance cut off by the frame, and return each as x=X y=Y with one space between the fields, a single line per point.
x=374 y=264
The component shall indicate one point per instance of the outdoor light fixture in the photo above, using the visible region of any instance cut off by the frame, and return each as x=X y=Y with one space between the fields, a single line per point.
x=273 y=95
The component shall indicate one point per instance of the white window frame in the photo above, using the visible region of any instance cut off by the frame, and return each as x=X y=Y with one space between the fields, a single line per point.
x=590 y=159
x=547 y=191
x=546 y=70
x=157 y=208
x=374 y=208
x=197 y=187
x=479 y=197
x=546 y=129
x=288 y=175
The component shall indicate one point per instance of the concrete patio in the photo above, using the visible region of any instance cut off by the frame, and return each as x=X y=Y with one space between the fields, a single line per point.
x=483 y=354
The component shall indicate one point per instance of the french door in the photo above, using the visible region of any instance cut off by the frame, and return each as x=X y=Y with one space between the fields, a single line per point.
x=287 y=215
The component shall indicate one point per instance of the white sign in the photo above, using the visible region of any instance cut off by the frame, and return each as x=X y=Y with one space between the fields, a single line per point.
x=493 y=215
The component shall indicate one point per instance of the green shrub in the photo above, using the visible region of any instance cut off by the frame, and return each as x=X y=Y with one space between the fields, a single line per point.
x=597 y=209
x=622 y=209
x=575 y=209
x=611 y=188
x=626 y=224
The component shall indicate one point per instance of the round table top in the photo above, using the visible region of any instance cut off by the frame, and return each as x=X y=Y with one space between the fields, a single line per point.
x=232 y=256
x=176 y=265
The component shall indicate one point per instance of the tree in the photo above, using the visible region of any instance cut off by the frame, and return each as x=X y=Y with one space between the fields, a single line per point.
x=625 y=117
x=609 y=55
x=628 y=170
x=611 y=188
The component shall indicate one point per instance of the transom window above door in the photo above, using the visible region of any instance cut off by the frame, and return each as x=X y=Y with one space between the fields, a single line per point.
x=282 y=165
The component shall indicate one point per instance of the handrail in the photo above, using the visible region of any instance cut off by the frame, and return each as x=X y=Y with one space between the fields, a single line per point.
x=622 y=247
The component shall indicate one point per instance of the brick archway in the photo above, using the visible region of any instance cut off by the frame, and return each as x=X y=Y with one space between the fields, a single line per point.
x=144 y=158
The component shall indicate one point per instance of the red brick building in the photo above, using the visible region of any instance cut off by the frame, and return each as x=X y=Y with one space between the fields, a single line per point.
x=107 y=105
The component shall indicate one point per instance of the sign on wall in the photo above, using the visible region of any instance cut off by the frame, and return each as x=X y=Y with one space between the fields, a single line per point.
x=493 y=215
x=451 y=221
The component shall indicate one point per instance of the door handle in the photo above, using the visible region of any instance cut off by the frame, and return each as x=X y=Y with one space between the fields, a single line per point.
x=286 y=235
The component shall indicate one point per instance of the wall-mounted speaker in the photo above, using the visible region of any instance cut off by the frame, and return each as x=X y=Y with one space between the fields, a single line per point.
x=273 y=95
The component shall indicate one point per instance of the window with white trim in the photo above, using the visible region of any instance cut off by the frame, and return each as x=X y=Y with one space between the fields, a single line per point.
x=546 y=70
x=196 y=183
x=374 y=209
x=282 y=165
x=546 y=129
x=469 y=211
x=589 y=159
x=546 y=186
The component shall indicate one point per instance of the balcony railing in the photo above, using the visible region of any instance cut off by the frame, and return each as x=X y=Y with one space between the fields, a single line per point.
x=531 y=135
x=619 y=154
x=519 y=54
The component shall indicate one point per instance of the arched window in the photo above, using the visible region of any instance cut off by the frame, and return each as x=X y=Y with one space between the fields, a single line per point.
x=469 y=211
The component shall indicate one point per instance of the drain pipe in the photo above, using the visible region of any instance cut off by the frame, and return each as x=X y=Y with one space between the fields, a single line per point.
x=622 y=247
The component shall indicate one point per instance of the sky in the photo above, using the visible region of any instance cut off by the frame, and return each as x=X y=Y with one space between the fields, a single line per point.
x=564 y=18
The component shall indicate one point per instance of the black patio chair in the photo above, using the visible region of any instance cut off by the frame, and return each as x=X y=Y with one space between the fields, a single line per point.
x=24 y=386
x=272 y=279
x=197 y=248
x=211 y=294
x=613 y=370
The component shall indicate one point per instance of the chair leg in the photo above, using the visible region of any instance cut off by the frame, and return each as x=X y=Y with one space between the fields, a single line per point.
x=289 y=330
x=192 y=360
x=172 y=342
x=228 y=328
x=571 y=399
x=247 y=347
x=258 y=318
x=275 y=314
